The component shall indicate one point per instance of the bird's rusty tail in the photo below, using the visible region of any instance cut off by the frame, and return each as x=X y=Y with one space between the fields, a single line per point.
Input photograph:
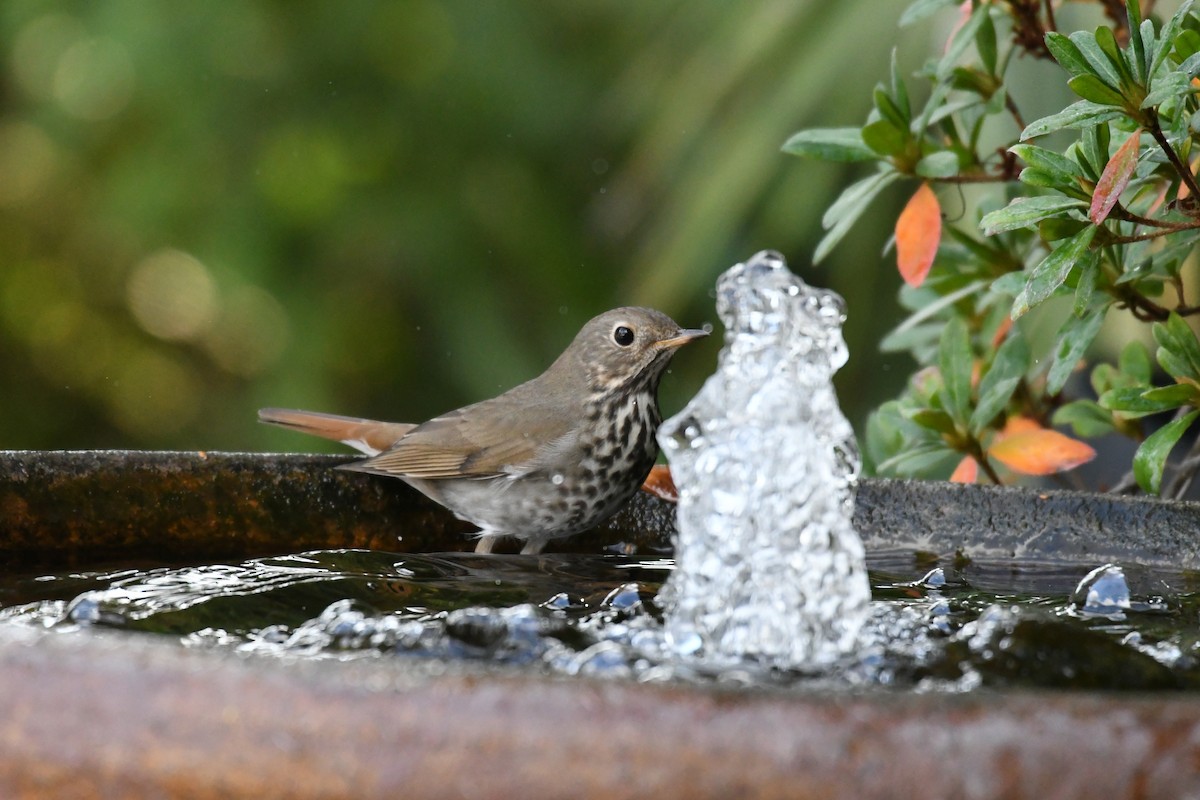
x=365 y=435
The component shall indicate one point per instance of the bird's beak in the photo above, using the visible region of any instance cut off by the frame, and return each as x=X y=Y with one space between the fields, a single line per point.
x=681 y=338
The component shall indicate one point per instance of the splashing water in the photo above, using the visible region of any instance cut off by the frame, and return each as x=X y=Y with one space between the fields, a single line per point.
x=768 y=564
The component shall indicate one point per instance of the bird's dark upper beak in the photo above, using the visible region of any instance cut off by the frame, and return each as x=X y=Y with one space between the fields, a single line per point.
x=681 y=338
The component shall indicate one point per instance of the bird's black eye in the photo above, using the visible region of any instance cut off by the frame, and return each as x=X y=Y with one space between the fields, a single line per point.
x=623 y=336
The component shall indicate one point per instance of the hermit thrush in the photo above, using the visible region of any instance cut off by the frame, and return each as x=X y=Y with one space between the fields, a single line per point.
x=549 y=458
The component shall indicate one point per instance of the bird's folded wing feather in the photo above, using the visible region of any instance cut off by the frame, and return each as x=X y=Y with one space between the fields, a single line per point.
x=476 y=444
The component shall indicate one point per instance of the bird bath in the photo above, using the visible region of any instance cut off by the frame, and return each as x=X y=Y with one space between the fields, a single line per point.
x=225 y=624
x=212 y=629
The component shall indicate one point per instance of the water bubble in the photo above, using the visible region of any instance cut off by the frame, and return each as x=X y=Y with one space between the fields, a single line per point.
x=1103 y=592
x=557 y=479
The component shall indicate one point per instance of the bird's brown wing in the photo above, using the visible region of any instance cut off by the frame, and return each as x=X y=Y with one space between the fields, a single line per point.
x=479 y=441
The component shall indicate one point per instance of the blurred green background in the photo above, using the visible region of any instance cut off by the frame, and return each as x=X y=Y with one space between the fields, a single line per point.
x=391 y=209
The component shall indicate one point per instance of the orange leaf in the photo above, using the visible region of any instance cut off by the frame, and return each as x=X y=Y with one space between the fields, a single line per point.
x=967 y=471
x=1115 y=178
x=1001 y=332
x=918 y=232
x=660 y=484
x=1026 y=447
x=1016 y=425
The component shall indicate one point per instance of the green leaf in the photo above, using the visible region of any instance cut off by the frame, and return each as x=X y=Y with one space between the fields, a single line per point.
x=1133 y=12
x=955 y=364
x=1178 y=350
x=1106 y=40
x=942 y=164
x=960 y=41
x=1094 y=146
x=922 y=9
x=1172 y=396
x=1077 y=335
x=1086 y=418
x=932 y=418
x=849 y=206
x=1025 y=211
x=1089 y=274
x=998 y=383
x=1077 y=115
x=1132 y=401
x=1134 y=362
x=915 y=460
x=1167 y=87
x=1166 y=38
x=1067 y=54
x=885 y=138
x=1050 y=273
x=1094 y=55
x=985 y=44
x=1058 y=167
x=830 y=144
x=889 y=110
x=1054 y=229
x=899 y=90
x=1089 y=87
x=1010 y=284
x=1151 y=458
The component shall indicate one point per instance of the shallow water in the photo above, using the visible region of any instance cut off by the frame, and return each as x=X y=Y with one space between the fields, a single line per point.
x=934 y=624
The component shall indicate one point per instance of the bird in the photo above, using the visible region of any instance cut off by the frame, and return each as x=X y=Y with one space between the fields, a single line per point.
x=552 y=457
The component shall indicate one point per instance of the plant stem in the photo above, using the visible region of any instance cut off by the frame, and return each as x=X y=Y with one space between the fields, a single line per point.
x=1185 y=173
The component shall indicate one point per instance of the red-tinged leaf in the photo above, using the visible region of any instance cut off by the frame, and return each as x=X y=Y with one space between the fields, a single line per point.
x=1028 y=448
x=1114 y=179
x=964 y=14
x=1001 y=332
x=660 y=484
x=918 y=233
x=967 y=471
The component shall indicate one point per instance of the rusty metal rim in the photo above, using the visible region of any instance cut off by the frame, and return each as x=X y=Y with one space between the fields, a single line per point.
x=119 y=716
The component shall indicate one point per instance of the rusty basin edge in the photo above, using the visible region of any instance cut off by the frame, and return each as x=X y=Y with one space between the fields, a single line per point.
x=110 y=714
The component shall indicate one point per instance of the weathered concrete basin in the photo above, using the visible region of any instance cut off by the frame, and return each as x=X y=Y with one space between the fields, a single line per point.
x=109 y=714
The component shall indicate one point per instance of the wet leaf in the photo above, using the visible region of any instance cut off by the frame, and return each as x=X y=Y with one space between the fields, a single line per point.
x=918 y=233
x=830 y=144
x=1166 y=37
x=1133 y=13
x=1067 y=54
x=1138 y=401
x=850 y=205
x=1089 y=87
x=1001 y=379
x=1115 y=178
x=1077 y=115
x=1050 y=273
x=1030 y=449
x=1178 y=350
x=1134 y=361
x=1101 y=66
x=942 y=164
x=955 y=365
x=660 y=484
x=1060 y=168
x=1151 y=458
x=1077 y=334
x=1086 y=418
x=1025 y=211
